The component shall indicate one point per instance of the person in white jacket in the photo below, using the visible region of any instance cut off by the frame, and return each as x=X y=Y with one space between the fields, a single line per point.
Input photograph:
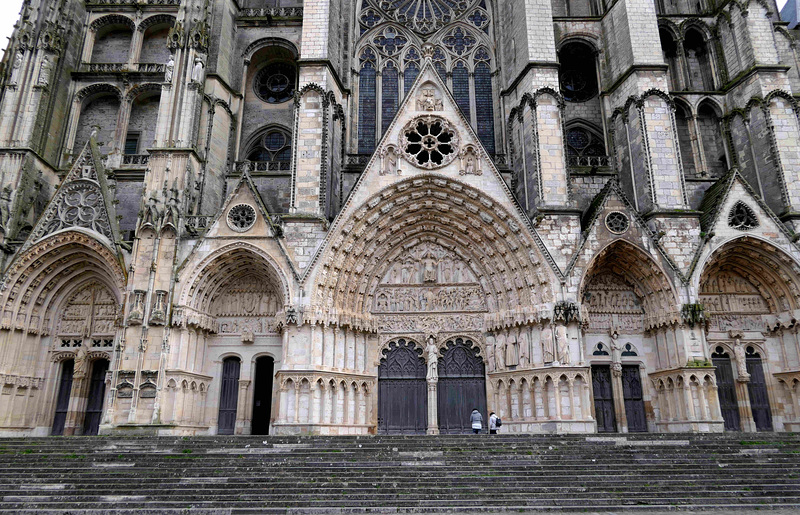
x=492 y=423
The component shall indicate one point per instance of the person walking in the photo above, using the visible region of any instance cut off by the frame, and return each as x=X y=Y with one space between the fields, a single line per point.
x=493 y=423
x=476 y=420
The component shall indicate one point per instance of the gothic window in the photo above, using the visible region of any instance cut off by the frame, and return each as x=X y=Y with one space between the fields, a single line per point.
x=742 y=217
x=241 y=217
x=367 y=100
x=629 y=351
x=600 y=350
x=709 y=128
x=698 y=61
x=430 y=142
x=461 y=87
x=617 y=222
x=684 y=128
x=412 y=66
x=112 y=42
x=578 y=75
x=390 y=88
x=669 y=49
x=585 y=148
x=272 y=150
x=275 y=83
x=392 y=33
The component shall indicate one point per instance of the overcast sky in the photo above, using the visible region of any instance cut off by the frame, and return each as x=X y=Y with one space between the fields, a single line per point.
x=9 y=13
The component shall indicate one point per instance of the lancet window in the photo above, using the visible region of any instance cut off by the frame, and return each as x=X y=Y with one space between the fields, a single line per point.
x=395 y=34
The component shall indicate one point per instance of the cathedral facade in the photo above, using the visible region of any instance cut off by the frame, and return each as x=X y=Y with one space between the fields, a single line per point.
x=372 y=216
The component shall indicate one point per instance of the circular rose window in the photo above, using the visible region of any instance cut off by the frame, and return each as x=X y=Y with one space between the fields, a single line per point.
x=617 y=222
x=429 y=142
x=275 y=83
x=241 y=217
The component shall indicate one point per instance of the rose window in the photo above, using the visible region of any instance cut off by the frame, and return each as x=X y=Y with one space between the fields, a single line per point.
x=742 y=217
x=425 y=16
x=241 y=217
x=429 y=142
x=617 y=222
x=275 y=83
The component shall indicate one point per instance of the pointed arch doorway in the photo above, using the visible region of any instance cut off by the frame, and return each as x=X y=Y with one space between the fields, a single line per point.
x=461 y=387
x=402 y=390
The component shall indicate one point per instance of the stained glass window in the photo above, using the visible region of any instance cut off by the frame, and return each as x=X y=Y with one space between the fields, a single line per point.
x=484 y=101
x=390 y=90
x=461 y=88
x=367 y=99
x=411 y=69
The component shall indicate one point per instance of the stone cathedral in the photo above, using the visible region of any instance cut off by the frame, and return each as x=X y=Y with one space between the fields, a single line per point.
x=346 y=217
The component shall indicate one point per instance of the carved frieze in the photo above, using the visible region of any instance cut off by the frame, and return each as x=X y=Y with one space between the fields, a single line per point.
x=253 y=326
x=91 y=312
x=733 y=302
x=248 y=297
x=430 y=323
x=422 y=299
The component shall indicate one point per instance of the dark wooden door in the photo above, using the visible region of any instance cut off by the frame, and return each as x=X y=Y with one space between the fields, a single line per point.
x=726 y=390
x=229 y=396
x=757 y=388
x=634 y=401
x=402 y=390
x=62 y=399
x=462 y=386
x=97 y=393
x=603 y=399
x=262 y=400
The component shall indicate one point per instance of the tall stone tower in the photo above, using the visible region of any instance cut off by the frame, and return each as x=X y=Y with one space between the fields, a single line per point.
x=362 y=216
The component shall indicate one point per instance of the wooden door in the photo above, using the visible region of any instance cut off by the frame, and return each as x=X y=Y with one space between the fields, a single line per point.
x=229 y=396
x=97 y=394
x=757 y=388
x=726 y=390
x=262 y=395
x=462 y=386
x=603 y=399
x=402 y=390
x=62 y=398
x=632 y=393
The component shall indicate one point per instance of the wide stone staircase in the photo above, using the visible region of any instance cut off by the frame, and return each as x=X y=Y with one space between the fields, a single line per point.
x=399 y=473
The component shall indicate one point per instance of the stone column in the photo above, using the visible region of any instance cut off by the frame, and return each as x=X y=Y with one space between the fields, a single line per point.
x=433 y=381
x=242 y=413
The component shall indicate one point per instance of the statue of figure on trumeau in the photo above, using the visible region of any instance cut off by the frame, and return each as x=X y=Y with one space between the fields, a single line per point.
x=433 y=358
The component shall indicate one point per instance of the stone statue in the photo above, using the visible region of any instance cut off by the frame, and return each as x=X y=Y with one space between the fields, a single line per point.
x=562 y=344
x=547 y=344
x=512 y=352
x=390 y=162
x=44 y=72
x=524 y=347
x=499 y=353
x=433 y=358
x=430 y=268
x=170 y=69
x=16 y=67
x=5 y=205
x=428 y=102
x=490 y=353
x=741 y=360
x=81 y=366
x=199 y=70
x=151 y=214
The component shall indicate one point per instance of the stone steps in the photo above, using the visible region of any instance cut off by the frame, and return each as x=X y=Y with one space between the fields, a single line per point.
x=444 y=473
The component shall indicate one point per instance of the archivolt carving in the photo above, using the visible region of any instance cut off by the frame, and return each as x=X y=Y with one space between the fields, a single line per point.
x=51 y=266
x=744 y=280
x=622 y=284
x=489 y=243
